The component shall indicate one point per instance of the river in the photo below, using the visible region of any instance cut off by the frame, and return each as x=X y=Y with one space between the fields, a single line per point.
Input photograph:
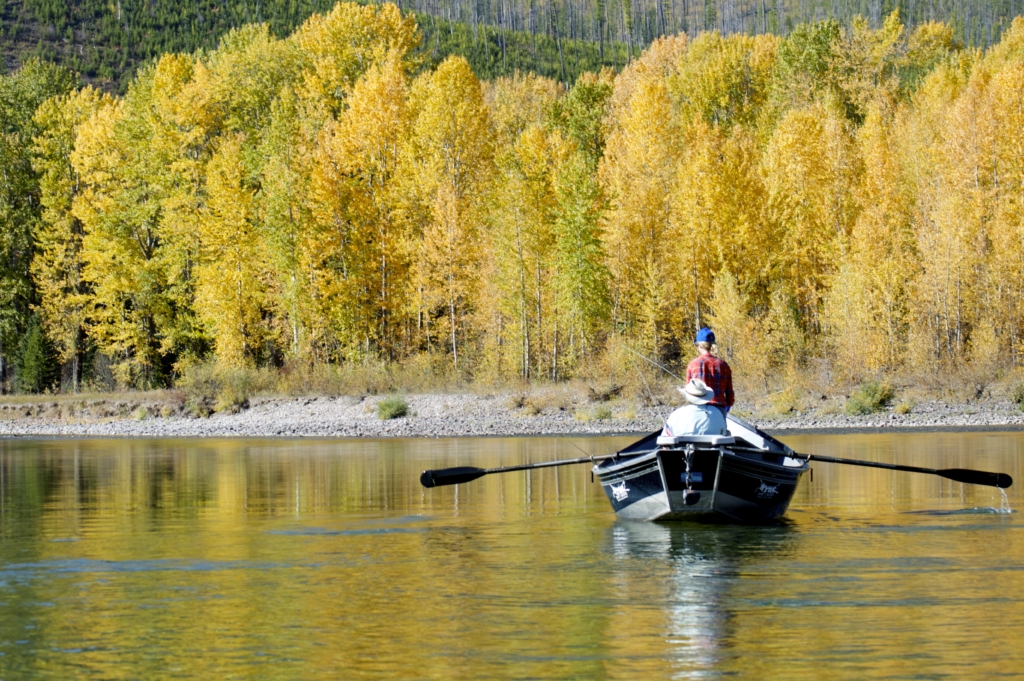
x=287 y=559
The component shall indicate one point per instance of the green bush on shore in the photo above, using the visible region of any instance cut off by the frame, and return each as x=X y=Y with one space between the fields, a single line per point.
x=392 y=407
x=869 y=398
x=1017 y=395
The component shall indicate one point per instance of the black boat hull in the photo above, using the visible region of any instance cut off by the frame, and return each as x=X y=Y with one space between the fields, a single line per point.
x=751 y=480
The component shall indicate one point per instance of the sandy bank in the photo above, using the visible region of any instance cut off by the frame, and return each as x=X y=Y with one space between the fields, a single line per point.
x=439 y=416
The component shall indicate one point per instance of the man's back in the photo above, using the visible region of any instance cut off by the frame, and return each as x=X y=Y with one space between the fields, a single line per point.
x=693 y=419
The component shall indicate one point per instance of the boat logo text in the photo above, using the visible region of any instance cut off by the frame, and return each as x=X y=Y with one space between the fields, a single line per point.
x=767 y=491
x=620 y=491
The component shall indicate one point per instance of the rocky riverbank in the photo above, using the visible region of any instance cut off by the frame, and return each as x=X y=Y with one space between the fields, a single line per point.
x=447 y=415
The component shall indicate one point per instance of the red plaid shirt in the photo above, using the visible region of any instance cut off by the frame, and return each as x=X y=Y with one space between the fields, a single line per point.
x=716 y=374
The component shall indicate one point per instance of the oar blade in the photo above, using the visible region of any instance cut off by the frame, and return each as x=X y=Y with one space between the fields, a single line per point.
x=1000 y=480
x=451 y=476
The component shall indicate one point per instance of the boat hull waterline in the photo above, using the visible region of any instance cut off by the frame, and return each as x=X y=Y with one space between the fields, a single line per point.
x=747 y=477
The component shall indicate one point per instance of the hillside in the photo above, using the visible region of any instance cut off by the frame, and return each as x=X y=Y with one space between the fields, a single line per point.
x=105 y=41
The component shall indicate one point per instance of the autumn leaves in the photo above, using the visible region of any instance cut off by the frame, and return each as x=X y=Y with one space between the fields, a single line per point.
x=847 y=198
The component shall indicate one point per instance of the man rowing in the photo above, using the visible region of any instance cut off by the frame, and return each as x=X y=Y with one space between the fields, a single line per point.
x=712 y=370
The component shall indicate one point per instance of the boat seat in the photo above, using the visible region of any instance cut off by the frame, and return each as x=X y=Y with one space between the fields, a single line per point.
x=713 y=440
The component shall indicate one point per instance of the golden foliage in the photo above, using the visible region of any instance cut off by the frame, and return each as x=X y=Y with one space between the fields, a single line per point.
x=850 y=199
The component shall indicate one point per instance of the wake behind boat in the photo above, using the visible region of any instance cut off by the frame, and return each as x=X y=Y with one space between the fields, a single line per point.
x=746 y=477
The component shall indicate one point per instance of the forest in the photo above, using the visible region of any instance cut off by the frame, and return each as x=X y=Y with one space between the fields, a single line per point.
x=107 y=41
x=842 y=204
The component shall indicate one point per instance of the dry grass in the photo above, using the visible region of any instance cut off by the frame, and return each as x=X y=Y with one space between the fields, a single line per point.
x=604 y=392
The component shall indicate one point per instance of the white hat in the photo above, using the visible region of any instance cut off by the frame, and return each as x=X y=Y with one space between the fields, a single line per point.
x=697 y=392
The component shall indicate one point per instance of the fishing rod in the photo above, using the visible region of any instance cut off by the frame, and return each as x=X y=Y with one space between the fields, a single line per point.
x=648 y=359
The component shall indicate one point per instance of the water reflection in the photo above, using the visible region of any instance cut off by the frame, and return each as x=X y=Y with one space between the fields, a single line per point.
x=309 y=559
x=698 y=567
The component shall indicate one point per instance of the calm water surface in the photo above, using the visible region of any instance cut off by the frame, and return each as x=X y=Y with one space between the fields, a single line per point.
x=279 y=559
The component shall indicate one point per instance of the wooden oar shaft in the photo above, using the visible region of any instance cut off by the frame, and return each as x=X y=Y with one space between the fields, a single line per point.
x=548 y=464
x=867 y=464
x=461 y=474
x=966 y=475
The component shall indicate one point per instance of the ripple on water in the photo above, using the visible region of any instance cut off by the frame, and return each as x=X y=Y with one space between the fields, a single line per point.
x=979 y=510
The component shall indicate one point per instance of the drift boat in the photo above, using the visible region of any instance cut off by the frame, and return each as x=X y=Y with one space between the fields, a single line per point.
x=747 y=476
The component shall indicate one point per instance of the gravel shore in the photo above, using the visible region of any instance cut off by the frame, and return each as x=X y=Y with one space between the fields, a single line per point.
x=449 y=415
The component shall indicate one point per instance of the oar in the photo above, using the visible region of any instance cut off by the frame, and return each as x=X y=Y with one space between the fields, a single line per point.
x=461 y=474
x=971 y=477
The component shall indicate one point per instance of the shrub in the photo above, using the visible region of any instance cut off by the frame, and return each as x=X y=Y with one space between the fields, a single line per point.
x=1018 y=395
x=531 y=408
x=392 y=407
x=784 y=402
x=209 y=386
x=905 y=407
x=869 y=398
x=600 y=413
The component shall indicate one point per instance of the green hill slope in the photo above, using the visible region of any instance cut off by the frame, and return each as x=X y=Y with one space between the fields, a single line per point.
x=106 y=40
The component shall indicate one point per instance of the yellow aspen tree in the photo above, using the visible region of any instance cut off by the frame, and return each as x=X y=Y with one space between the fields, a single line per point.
x=364 y=250
x=338 y=47
x=141 y=315
x=870 y=62
x=921 y=148
x=852 y=345
x=231 y=291
x=119 y=248
x=285 y=224
x=244 y=75
x=999 y=335
x=246 y=86
x=738 y=333
x=810 y=169
x=448 y=168
x=1007 y=228
x=638 y=170
x=449 y=265
x=659 y=62
x=868 y=323
x=954 y=238
x=516 y=102
x=581 y=277
x=57 y=267
x=515 y=300
x=716 y=214
x=21 y=93
x=181 y=123
x=520 y=242
x=725 y=80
